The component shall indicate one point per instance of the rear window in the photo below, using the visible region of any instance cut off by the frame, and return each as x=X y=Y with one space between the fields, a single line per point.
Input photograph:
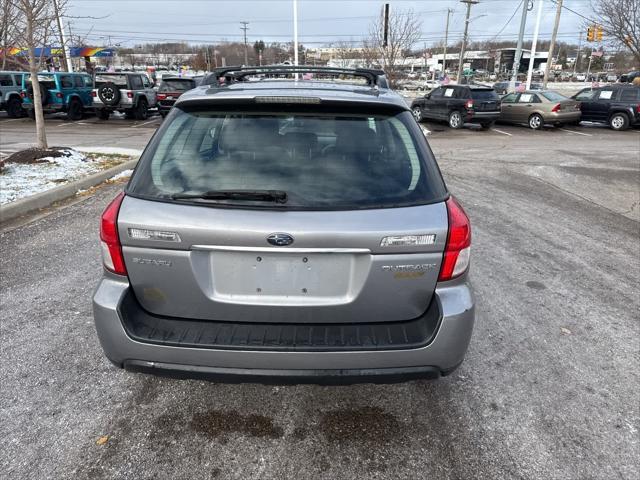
x=629 y=94
x=553 y=96
x=321 y=161
x=484 y=95
x=176 y=85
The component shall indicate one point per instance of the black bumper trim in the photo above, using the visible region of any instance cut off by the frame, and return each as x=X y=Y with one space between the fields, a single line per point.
x=283 y=377
x=146 y=327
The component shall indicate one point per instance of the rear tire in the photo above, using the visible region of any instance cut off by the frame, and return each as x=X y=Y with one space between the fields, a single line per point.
x=417 y=114
x=74 y=112
x=14 y=108
x=536 y=122
x=455 y=120
x=142 y=110
x=619 y=121
x=103 y=114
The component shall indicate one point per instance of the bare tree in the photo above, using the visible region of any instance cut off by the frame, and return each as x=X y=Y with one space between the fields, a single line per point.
x=7 y=29
x=620 y=20
x=35 y=20
x=404 y=30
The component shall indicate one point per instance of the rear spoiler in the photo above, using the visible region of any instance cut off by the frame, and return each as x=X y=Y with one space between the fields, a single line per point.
x=228 y=75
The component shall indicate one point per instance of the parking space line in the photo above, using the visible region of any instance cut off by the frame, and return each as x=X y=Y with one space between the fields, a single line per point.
x=7 y=120
x=142 y=124
x=577 y=133
x=500 y=131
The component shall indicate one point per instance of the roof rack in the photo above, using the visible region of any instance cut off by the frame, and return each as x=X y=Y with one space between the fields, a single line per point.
x=375 y=77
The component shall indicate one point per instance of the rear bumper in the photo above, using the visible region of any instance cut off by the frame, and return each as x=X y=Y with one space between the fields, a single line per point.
x=441 y=355
x=492 y=116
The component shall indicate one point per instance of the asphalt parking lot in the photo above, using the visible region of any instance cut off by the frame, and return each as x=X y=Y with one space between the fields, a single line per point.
x=549 y=388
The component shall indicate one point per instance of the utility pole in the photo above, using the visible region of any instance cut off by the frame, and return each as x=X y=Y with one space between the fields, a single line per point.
x=244 y=28
x=552 y=46
x=295 y=34
x=63 y=37
x=579 y=54
x=465 y=38
x=534 y=44
x=446 y=41
x=518 y=55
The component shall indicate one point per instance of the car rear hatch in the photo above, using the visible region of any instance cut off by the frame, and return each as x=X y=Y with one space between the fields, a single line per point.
x=360 y=237
x=171 y=89
x=485 y=100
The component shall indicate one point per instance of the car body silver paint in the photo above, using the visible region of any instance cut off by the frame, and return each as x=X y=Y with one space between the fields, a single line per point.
x=446 y=350
x=223 y=269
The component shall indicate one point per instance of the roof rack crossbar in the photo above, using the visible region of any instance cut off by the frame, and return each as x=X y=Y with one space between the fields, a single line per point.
x=237 y=73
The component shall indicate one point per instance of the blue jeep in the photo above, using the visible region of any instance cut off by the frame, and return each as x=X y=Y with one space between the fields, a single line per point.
x=61 y=92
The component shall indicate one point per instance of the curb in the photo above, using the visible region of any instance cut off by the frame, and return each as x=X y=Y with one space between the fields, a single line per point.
x=44 y=199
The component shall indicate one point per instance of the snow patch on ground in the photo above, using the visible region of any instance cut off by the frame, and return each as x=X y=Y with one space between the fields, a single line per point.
x=131 y=152
x=22 y=180
x=123 y=174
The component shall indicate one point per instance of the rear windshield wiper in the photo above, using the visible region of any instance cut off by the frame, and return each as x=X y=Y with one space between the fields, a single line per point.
x=277 y=196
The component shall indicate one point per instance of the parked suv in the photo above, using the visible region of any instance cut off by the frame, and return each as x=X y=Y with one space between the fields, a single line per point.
x=170 y=89
x=128 y=93
x=459 y=104
x=276 y=232
x=61 y=92
x=10 y=98
x=616 y=105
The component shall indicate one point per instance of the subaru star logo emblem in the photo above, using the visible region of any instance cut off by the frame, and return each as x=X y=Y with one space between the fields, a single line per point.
x=280 y=239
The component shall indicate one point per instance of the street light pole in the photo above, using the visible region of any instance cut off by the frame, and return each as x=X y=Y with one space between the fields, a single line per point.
x=63 y=38
x=464 y=39
x=534 y=44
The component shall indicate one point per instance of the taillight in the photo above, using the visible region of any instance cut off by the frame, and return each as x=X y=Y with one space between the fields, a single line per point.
x=457 y=251
x=556 y=108
x=23 y=94
x=469 y=104
x=58 y=95
x=110 y=240
x=162 y=96
x=130 y=94
x=94 y=94
x=638 y=108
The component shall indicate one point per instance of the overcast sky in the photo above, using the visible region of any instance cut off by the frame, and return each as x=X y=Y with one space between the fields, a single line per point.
x=321 y=22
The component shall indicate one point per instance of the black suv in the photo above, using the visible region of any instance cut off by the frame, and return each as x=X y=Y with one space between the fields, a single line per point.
x=459 y=104
x=616 y=105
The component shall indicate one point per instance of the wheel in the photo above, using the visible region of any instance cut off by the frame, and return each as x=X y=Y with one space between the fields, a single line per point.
x=142 y=110
x=536 y=122
x=455 y=119
x=619 y=121
x=14 y=108
x=74 y=112
x=103 y=114
x=486 y=125
x=129 y=114
x=163 y=114
x=417 y=113
x=109 y=94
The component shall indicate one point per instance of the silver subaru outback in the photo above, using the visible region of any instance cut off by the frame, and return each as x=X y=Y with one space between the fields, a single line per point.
x=287 y=226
